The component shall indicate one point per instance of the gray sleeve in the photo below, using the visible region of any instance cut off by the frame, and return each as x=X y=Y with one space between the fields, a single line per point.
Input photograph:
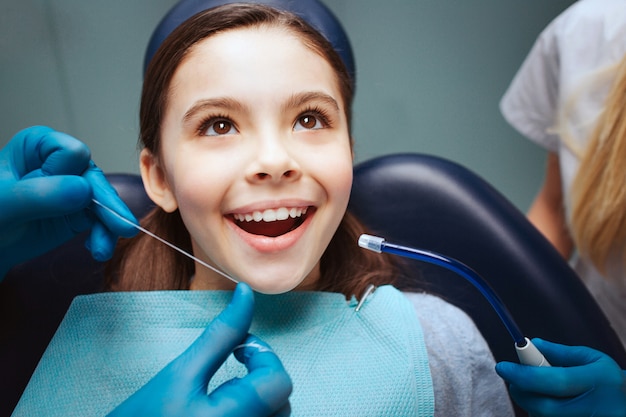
x=464 y=379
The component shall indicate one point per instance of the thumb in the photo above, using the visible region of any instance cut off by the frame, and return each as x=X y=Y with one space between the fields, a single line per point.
x=46 y=152
x=203 y=358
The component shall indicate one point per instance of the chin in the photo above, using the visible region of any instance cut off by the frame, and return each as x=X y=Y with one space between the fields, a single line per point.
x=274 y=286
x=271 y=288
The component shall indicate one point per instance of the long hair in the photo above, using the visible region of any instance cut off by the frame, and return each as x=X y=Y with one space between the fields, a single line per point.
x=598 y=219
x=142 y=263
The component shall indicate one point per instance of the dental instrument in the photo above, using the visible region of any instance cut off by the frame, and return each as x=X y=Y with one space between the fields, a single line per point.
x=527 y=353
x=160 y=239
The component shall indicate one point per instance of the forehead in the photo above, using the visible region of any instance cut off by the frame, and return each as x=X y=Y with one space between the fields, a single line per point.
x=251 y=59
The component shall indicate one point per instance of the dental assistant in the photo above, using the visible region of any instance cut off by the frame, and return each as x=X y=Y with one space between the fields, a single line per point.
x=568 y=97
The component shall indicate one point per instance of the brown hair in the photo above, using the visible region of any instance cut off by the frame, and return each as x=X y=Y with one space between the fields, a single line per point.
x=141 y=263
x=598 y=220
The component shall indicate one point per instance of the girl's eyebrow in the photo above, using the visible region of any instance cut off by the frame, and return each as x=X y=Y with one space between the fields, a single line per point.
x=300 y=99
x=212 y=103
x=226 y=103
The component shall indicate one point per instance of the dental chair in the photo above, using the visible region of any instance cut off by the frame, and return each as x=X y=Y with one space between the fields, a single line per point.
x=434 y=204
x=412 y=199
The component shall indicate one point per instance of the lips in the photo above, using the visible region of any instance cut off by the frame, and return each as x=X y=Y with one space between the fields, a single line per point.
x=272 y=222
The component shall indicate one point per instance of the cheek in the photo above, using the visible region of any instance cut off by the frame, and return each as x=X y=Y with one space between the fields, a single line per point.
x=336 y=174
x=199 y=177
x=342 y=184
x=198 y=195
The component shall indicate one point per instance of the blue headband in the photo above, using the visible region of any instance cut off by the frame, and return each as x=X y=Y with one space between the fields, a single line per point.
x=313 y=12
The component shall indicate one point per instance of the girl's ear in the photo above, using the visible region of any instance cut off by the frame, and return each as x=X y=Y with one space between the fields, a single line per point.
x=155 y=183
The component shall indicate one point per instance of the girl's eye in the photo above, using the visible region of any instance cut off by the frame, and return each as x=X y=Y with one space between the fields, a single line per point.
x=308 y=122
x=218 y=128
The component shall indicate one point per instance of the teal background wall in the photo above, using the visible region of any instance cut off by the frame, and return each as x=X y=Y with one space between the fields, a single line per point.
x=430 y=75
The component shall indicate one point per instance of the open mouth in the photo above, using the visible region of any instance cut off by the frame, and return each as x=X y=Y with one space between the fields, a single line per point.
x=273 y=222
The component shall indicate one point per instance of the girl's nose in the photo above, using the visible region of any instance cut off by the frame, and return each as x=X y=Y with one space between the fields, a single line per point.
x=273 y=163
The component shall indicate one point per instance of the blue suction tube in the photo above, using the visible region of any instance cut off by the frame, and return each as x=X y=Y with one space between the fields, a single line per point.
x=526 y=351
x=377 y=244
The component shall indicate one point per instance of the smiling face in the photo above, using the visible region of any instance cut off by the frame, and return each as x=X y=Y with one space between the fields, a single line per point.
x=256 y=155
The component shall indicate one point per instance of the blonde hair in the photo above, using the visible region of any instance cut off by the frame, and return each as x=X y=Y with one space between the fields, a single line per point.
x=598 y=218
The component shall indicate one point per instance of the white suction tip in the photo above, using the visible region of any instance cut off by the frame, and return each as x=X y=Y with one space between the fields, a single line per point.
x=373 y=243
x=530 y=355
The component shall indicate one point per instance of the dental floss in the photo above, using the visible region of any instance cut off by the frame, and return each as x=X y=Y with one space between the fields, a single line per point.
x=527 y=353
x=369 y=290
x=160 y=239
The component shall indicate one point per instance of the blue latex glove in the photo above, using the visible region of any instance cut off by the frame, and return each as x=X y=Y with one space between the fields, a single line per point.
x=180 y=389
x=581 y=382
x=47 y=181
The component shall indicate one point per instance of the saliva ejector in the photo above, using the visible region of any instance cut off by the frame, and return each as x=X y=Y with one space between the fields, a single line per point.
x=527 y=353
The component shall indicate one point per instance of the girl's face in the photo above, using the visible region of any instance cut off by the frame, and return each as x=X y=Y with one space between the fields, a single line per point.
x=256 y=155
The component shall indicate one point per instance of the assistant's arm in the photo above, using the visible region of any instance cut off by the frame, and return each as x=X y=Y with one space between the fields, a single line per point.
x=547 y=211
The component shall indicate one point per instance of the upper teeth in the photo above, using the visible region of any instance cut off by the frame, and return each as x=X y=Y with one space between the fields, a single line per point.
x=271 y=215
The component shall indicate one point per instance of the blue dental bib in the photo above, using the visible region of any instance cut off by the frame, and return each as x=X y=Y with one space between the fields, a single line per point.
x=342 y=362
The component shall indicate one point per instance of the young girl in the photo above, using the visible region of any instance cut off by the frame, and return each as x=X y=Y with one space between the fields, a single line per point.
x=245 y=127
x=245 y=123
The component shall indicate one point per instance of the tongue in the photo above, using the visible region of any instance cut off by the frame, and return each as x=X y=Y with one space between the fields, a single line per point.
x=271 y=229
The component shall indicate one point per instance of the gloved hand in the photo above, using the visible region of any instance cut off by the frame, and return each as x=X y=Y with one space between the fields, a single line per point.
x=581 y=382
x=47 y=181
x=180 y=389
